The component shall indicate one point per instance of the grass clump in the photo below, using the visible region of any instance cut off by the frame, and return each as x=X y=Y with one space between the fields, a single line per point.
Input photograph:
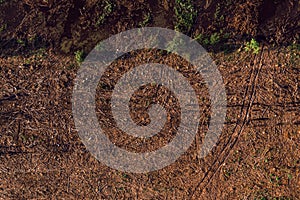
x=252 y=46
x=107 y=10
x=3 y=27
x=79 y=56
x=185 y=13
x=146 y=20
x=21 y=42
x=213 y=39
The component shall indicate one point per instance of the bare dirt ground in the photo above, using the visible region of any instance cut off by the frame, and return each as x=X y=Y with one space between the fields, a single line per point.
x=42 y=156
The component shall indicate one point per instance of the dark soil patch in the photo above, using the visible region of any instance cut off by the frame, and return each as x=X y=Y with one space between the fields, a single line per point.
x=67 y=26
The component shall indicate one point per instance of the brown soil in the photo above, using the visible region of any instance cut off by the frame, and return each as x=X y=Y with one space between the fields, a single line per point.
x=42 y=156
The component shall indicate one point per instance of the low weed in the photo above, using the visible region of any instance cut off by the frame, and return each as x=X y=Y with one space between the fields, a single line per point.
x=252 y=46
x=3 y=27
x=208 y=40
x=214 y=38
x=107 y=10
x=79 y=56
x=146 y=20
x=185 y=13
x=21 y=42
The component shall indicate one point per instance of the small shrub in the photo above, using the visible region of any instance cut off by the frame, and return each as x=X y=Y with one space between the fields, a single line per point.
x=199 y=37
x=21 y=42
x=3 y=27
x=79 y=56
x=146 y=20
x=252 y=46
x=208 y=40
x=214 y=38
x=107 y=10
x=217 y=12
x=185 y=15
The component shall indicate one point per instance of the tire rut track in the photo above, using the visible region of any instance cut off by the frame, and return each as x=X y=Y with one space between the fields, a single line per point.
x=249 y=97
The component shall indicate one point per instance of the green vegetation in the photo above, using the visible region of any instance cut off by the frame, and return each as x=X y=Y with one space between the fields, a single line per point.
x=21 y=42
x=227 y=173
x=294 y=47
x=252 y=46
x=199 y=37
x=265 y=195
x=185 y=13
x=79 y=56
x=3 y=27
x=174 y=44
x=216 y=41
x=275 y=179
x=217 y=13
x=32 y=39
x=294 y=50
x=107 y=10
x=208 y=40
x=214 y=38
x=146 y=20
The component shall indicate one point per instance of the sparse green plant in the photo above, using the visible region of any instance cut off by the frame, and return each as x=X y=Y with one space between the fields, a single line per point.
x=99 y=47
x=174 y=45
x=227 y=172
x=214 y=38
x=21 y=42
x=217 y=12
x=226 y=35
x=125 y=176
x=252 y=46
x=3 y=27
x=215 y=41
x=79 y=56
x=146 y=20
x=32 y=38
x=275 y=179
x=208 y=40
x=294 y=47
x=199 y=37
x=27 y=62
x=294 y=51
x=222 y=18
x=71 y=66
x=185 y=13
x=107 y=10
x=41 y=52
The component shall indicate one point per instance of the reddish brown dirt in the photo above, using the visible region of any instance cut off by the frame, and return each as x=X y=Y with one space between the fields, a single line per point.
x=257 y=155
x=42 y=156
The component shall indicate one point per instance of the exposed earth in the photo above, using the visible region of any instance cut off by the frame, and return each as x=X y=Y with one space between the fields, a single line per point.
x=255 y=45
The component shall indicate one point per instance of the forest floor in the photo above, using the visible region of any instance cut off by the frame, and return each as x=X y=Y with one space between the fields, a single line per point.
x=257 y=155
